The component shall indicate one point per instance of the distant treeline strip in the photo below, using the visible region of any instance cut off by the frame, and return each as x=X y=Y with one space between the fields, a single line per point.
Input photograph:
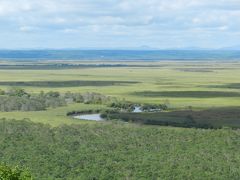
x=187 y=94
x=65 y=83
x=69 y=66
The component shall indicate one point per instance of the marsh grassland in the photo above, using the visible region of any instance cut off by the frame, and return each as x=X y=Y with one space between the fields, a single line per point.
x=61 y=147
x=184 y=84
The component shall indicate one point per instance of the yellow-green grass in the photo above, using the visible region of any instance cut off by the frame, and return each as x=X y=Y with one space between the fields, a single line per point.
x=54 y=117
x=158 y=77
x=167 y=78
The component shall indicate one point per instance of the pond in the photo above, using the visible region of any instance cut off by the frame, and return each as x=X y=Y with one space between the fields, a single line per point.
x=137 y=109
x=90 y=117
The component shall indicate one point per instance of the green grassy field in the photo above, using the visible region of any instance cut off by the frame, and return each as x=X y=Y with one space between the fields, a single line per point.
x=180 y=84
x=218 y=86
x=54 y=117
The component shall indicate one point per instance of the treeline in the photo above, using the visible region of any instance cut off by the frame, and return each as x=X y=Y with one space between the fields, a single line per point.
x=154 y=107
x=17 y=99
x=162 y=119
x=90 y=111
x=122 y=105
x=87 y=98
x=66 y=66
x=130 y=106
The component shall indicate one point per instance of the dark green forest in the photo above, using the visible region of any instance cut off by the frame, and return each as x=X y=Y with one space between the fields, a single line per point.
x=120 y=151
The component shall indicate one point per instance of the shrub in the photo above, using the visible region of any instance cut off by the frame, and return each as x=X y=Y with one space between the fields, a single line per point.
x=2 y=92
x=16 y=173
x=17 y=92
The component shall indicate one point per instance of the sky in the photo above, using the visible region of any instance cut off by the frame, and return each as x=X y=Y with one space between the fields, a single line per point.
x=101 y=24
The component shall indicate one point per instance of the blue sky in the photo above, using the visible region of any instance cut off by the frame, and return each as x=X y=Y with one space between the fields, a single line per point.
x=119 y=23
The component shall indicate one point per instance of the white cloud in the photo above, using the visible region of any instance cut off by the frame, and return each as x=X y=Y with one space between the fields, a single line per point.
x=141 y=19
x=27 y=28
x=59 y=20
x=223 y=28
x=68 y=30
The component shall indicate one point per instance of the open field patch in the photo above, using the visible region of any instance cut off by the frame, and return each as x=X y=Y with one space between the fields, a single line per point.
x=53 y=116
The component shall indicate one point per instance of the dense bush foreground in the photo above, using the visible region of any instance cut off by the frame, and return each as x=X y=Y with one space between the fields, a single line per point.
x=120 y=151
x=16 y=173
